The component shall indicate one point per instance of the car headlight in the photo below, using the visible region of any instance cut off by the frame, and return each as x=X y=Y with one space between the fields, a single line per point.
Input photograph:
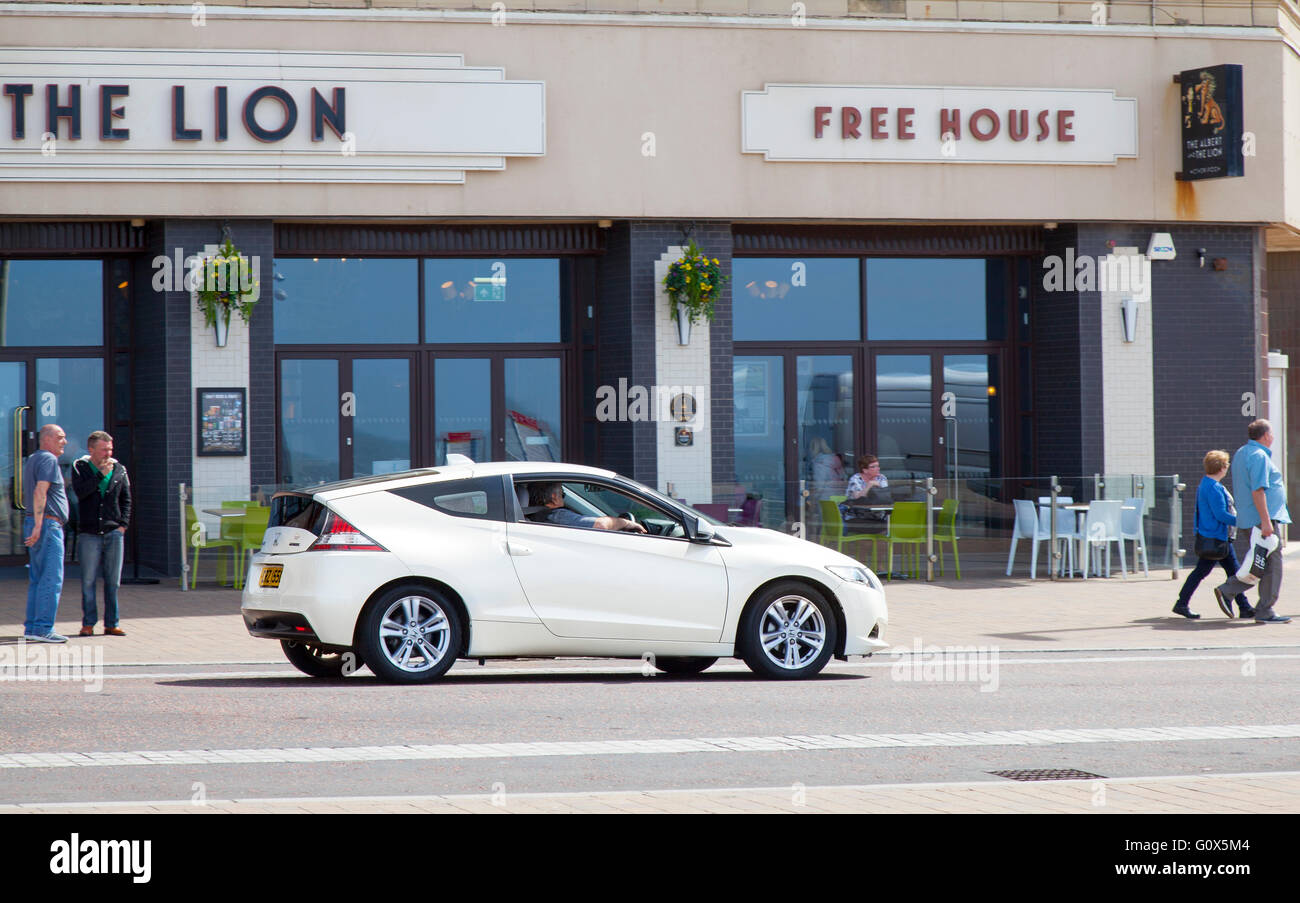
x=856 y=575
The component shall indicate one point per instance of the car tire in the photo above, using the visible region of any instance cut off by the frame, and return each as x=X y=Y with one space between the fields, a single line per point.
x=686 y=664
x=316 y=662
x=410 y=635
x=787 y=632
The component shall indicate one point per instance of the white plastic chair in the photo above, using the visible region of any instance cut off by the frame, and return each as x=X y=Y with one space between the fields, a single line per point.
x=1027 y=527
x=1067 y=524
x=1131 y=528
x=1102 y=527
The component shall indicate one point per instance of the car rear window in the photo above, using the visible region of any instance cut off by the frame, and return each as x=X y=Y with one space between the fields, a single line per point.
x=293 y=510
x=480 y=498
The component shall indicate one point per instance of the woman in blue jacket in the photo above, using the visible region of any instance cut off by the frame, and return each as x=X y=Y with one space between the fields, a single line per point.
x=1215 y=517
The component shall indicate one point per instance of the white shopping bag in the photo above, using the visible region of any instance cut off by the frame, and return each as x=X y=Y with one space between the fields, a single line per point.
x=1252 y=568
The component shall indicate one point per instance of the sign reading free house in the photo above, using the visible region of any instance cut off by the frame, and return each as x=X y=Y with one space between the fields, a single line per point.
x=901 y=124
x=259 y=116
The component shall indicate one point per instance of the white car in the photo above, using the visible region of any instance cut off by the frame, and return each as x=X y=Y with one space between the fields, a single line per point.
x=407 y=572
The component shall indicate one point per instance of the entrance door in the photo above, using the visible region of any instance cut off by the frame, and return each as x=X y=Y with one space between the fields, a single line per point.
x=821 y=436
x=15 y=424
x=497 y=406
x=34 y=391
x=938 y=415
x=344 y=416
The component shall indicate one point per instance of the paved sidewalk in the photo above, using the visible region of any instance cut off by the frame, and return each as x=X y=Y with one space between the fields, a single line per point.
x=1199 y=794
x=167 y=626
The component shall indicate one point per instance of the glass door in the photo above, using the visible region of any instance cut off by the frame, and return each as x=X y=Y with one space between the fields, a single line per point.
x=498 y=406
x=344 y=416
x=939 y=415
x=817 y=445
x=15 y=420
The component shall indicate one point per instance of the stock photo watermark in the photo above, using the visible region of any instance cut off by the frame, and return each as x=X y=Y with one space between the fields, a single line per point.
x=43 y=663
x=208 y=271
x=1124 y=273
x=76 y=856
x=947 y=664
x=637 y=403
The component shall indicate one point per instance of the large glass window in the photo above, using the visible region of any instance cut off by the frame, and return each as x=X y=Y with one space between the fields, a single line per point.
x=532 y=421
x=309 y=421
x=51 y=302
x=462 y=404
x=70 y=392
x=796 y=299
x=904 y=424
x=381 y=426
x=935 y=299
x=826 y=436
x=759 y=387
x=346 y=301
x=486 y=300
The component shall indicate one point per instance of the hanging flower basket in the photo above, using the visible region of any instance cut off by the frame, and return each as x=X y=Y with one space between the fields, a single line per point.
x=227 y=283
x=693 y=284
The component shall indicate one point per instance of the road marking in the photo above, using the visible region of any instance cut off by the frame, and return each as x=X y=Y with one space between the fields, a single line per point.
x=1113 y=783
x=584 y=748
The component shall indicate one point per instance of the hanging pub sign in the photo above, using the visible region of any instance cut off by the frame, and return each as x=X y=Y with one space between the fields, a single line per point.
x=1211 y=109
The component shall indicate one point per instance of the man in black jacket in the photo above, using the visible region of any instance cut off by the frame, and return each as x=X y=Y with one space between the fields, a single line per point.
x=104 y=512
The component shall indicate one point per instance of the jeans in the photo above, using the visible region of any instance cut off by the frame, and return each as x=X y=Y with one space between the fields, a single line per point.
x=100 y=555
x=45 y=576
x=1202 y=570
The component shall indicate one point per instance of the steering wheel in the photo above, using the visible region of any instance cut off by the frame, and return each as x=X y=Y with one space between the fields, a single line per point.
x=628 y=516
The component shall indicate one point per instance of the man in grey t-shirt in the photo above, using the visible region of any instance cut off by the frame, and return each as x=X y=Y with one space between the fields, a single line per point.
x=47 y=512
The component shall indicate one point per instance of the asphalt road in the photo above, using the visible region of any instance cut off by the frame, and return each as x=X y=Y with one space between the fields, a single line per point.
x=272 y=708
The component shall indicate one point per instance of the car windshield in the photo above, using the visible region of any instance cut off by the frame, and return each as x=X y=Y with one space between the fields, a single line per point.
x=671 y=504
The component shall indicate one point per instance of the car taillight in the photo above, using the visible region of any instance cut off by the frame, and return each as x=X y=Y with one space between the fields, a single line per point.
x=340 y=536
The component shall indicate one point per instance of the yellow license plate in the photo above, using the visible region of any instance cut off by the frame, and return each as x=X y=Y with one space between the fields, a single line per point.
x=271 y=576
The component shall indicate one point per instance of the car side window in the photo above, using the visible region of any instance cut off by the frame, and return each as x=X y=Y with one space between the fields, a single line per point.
x=588 y=500
x=480 y=499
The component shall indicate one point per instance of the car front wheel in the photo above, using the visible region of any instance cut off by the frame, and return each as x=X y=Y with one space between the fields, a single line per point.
x=410 y=635
x=315 y=661
x=788 y=632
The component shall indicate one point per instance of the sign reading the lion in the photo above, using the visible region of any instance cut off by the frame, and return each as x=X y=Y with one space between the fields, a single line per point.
x=1210 y=107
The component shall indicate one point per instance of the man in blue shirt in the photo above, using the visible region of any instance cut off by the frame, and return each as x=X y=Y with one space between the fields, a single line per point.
x=43 y=535
x=1261 y=502
x=551 y=495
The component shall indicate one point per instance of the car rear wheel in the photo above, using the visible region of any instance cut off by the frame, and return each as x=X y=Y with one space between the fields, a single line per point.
x=686 y=664
x=315 y=661
x=410 y=635
x=788 y=632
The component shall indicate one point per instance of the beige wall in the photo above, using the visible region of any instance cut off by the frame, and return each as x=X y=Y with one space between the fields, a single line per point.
x=610 y=81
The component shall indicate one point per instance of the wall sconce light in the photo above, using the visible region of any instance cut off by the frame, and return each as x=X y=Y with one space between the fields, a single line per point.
x=1200 y=257
x=1128 y=309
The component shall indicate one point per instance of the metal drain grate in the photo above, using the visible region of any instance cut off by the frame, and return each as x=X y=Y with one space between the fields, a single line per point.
x=1047 y=774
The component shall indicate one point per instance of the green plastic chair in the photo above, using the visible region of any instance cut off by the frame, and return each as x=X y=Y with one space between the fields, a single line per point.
x=907 y=527
x=946 y=531
x=253 y=524
x=833 y=534
x=230 y=526
x=191 y=519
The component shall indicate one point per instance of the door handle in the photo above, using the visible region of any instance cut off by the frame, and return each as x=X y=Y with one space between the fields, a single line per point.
x=18 y=457
x=517 y=549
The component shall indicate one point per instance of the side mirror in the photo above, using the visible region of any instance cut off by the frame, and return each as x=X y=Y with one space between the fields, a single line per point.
x=698 y=530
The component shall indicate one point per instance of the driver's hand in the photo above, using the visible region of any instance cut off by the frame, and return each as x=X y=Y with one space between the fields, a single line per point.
x=632 y=527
